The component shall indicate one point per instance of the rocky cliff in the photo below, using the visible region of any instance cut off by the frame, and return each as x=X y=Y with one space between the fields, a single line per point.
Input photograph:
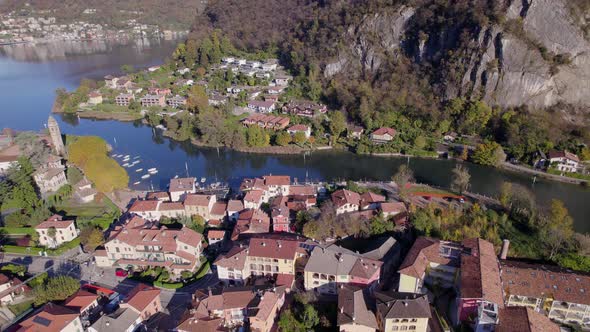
x=537 y=55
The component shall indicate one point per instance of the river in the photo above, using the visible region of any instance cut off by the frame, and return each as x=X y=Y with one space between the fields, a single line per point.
x=29 y=76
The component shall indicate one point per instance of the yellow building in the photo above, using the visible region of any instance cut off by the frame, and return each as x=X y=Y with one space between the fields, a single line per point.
x=402 y=311
x=271 y=256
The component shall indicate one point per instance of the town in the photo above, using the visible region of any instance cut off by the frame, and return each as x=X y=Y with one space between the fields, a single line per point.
x=275 y=253
x=41 y=27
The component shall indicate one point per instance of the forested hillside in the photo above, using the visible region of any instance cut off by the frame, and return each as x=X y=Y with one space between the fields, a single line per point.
x=512 y=71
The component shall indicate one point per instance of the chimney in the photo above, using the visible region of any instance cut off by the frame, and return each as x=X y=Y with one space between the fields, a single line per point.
x=505 y=248
x=341 y=310
x=210 y=292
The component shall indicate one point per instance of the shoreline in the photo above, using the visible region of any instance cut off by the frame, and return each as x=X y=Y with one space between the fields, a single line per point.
x=296 y=150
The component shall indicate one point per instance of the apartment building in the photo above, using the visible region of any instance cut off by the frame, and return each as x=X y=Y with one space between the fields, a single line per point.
x=180 y=187
x=156 y=209
x=231 y=267
x=141 y=244
x=143 y=299
x=346 y=201
x=153 y=100
x=195 y=204
x=402 y=311
x=560 y=294
x=329 y=266
x=250 y=221
x=124 y=99
x=429 y=260
x=55 y=231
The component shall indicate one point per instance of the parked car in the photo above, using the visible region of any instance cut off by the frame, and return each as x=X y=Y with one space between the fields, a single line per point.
x=121 y=273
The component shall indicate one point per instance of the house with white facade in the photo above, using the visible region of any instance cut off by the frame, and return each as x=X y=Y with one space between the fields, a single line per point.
x=55 y=231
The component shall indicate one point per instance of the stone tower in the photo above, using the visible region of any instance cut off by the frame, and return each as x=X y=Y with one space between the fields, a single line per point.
x=56 y=140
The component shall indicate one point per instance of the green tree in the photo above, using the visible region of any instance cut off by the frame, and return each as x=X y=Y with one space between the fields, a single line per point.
x=134 y=105
x=257 y=137
x=91 y=237
x=288 y=322
x=197 y=100
x=310 y=317
x=558 y=231
x=402 y=178
x=127 y=69
x=337 y=125
x=420 y=142
x=490 y=153
x=56 y=289
x=197 y=223
x=283 y=138
x=299 y=138
x=460 y=179
x=51 y=232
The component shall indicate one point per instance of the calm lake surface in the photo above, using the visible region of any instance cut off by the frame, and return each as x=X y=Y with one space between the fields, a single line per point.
x=29 y=76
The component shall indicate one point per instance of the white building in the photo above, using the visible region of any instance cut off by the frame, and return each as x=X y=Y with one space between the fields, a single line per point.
x=564 y=161
x=65 y=231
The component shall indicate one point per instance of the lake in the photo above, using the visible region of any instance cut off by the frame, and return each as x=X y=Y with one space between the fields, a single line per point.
x=29 y=76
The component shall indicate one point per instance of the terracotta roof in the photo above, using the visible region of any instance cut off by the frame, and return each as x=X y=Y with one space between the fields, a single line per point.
x=80 y=300
x=393 y=207
x=142 y=206
x=4 y=279
x=402 y=305
x=197 y=200
x=234 y=205
x=267 y=303
x=141 y=296
x=235 y=258
x=385 y=130
x=480 y=273
x=563 y=154
x=277 y=180
x=170 y=206
x=424 y=251
x=343 y=196
x=272 y=248
x=219 y=209
x=370 y=197
x=251 y=221
x=51 y=318
x=163 y=237
x=285 y=280
x=55 y=221
x=521 y=319
x=157 y=195
x=205 y=324
x=298 y=127
x=304 y=190
x=253 y=196
x=353 y=309
x=181 y=184
x=538 y=281
x=215 y=234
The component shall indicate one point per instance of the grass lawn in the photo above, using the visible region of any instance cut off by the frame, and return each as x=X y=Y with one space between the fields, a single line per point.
x=100 y=214
x=19 y=308
x=430 y=190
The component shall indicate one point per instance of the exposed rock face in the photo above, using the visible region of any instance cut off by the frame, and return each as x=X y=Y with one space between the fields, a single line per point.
x=503 y=69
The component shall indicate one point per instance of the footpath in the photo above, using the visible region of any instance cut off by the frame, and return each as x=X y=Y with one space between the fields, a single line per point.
x=522 y=169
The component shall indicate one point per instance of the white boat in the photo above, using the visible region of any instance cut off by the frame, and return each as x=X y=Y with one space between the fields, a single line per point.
x=145 y=176
x=203 y=180
x=152 y=169
x=126 y=165
x=127 y=156
x=135 y=162
x=136 y=157
x=176 y=176
x=139 y=170
x=153 y=172
x=136 y=183
x=115 y=156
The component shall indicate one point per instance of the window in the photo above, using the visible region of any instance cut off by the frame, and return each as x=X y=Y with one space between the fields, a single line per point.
x=412 y=327
x=117 y=249
x=395 y=328
x=404 y=328
x=413 y=320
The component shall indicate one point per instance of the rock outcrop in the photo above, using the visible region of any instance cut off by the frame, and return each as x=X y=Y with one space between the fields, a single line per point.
x=548 y=63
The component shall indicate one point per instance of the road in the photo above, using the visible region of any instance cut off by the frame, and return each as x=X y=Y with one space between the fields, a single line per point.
x=80 y=266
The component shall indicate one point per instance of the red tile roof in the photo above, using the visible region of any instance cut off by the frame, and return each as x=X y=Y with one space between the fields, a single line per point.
x=370 y=197
x=271 y=248
x=197 y=200
x=142 y=206
x=563 y=154
x=343 y=196
x=215 y=234
x=235 y=258
x=234 y=205
x=539 y=281
x=219 y=209
x=253 y=196
x=304 y=190
x=55 y=221
x=423 y=251
x=80 y=300
x=480 y=273
x=170 y=206
x=385 y=130
x=277 y=180
x=393 y=207
x=181 y=184
x=521 y=319
x=157 y=195
x=141 y=296
x=51 y=318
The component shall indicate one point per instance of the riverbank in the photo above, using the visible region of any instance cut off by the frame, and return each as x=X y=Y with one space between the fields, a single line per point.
x=274 y=150
x=545 y=175
x=118 y=116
